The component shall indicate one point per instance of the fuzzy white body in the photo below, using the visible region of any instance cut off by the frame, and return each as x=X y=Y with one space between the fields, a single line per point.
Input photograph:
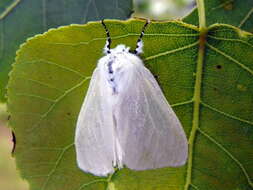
x=125 y=119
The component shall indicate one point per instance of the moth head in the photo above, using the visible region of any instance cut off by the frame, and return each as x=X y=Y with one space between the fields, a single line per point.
x=122 y=48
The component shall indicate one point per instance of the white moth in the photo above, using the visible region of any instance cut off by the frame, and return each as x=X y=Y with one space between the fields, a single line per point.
x=125 y=119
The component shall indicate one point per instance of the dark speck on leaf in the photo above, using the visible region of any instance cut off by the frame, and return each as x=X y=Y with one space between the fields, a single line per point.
x=156 y=77
x=14 y=142
x=218 y=66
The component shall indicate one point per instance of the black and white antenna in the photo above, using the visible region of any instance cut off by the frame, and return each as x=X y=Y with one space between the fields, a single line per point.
x=108 y=41
x=139 y=44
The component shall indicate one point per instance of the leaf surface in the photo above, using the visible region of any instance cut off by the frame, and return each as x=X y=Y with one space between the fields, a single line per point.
x=22 y=19
x=235 y=12
x=212 y=98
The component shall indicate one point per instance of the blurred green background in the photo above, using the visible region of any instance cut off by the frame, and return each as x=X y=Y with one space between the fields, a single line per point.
x=153 y=9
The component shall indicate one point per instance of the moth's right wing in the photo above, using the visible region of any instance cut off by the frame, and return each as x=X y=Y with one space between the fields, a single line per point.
x=94 y=135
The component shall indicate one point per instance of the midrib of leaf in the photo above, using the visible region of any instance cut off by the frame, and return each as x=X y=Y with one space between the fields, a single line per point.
x=202 y=15
x=197 y=89
x=110 y=185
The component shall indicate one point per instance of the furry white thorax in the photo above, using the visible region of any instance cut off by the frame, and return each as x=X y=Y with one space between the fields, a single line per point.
x=115 y=66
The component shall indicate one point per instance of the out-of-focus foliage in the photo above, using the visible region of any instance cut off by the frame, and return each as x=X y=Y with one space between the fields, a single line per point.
x=162 y=9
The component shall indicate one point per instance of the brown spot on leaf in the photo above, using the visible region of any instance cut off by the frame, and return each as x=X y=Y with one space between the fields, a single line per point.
x=241 y=87
x=228 y=6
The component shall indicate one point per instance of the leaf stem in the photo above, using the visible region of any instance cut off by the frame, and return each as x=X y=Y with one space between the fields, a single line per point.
x=196 y=107
x=110 y=184
x=197 y=89
x=202 y=15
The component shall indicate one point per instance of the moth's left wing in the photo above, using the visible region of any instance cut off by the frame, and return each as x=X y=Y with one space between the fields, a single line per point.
x=149 y=131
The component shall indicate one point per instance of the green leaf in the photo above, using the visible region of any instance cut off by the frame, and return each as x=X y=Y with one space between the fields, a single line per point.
x=207 y=79
x=22 y=19
x=235 y=12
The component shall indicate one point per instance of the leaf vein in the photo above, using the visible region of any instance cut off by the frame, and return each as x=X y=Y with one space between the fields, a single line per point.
x=44 y=15
x=57 y=65
x=230 y=58
x=35 y=176
x=9 y=9
x=56 y=165
x=194 y=186
x=47 y=148
x=171 y=51
x=226 y=114
x=247 y=16
x=222 y=5
x=1 y=39
x=91 y=182
x=86 y=11
x=41 y=83
x=95 y=8
x=58 y=100
x=229 y=154
x=35 y=96
x=231 y=39
x=122 y=36
x=182 y=103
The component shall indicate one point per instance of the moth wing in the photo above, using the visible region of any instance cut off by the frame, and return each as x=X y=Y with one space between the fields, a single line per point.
x=93 y=137
x=149 y=131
